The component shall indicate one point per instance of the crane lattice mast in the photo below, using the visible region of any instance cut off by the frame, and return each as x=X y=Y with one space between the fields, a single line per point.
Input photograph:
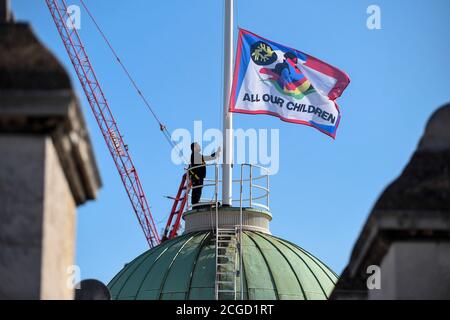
x=105 y=119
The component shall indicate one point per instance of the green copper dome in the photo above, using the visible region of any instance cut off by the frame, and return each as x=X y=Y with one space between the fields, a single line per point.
x=184 y=268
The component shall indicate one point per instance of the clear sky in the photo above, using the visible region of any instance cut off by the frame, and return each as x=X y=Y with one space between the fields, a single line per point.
x=324 y=189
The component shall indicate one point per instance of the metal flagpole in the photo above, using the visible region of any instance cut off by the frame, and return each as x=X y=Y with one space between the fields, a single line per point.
x=227 y=173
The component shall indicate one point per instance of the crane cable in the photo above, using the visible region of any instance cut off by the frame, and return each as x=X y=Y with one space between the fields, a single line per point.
x=162 y=127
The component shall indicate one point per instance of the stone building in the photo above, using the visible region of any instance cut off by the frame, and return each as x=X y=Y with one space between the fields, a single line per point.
x=407 y=234
x=47 y=167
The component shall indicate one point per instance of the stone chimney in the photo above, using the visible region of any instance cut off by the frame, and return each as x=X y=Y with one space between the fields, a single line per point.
x=5 y=11
x=47 y=167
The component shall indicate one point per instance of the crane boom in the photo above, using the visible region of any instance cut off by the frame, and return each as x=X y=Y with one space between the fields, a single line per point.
x=105 y=119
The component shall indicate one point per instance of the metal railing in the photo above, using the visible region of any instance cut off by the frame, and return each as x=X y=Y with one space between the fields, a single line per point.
x=207 y=183
x=254 y=189
x=253 y=197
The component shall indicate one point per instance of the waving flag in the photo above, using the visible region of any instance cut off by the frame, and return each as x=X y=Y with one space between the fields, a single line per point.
x=272 y=79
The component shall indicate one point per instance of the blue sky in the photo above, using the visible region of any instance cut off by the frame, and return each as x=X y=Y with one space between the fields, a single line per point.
x=325 y=189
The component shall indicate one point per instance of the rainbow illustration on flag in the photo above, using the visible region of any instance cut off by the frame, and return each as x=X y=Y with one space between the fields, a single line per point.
x=273 y=79
x=287 y=77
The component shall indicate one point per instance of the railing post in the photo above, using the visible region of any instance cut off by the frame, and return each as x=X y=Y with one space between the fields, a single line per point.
x=216 y=191
x=240 y=190
x=251 y=185
x=268 y=190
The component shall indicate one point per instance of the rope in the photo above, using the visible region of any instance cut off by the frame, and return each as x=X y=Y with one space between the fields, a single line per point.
x=162 y=127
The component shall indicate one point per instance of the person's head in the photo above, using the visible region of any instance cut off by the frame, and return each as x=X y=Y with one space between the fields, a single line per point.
x=291 y=56
x=195 y=147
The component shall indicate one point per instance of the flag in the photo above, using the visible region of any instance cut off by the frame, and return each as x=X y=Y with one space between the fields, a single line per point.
x=273 y=79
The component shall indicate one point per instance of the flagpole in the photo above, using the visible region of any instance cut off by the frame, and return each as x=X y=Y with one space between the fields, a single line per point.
x=227 y=173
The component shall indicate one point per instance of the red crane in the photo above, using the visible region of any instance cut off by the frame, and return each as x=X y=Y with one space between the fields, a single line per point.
x=105 y=119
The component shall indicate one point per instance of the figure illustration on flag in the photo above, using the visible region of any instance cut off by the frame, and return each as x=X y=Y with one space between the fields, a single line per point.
x=272 y=79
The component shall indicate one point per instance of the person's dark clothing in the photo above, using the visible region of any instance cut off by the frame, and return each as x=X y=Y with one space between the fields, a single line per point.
x=197 y=159
x=197 y=175
x=196 y=192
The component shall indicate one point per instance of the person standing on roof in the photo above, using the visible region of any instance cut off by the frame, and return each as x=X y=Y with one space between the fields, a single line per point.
x=197 y=175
